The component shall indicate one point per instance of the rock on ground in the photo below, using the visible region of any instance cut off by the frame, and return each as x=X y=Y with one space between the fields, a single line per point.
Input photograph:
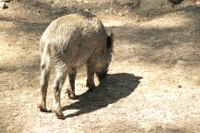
x=154 y=4
x=2 y=5
x=124 y=2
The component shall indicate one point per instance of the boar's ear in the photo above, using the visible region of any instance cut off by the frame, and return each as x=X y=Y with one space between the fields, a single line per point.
x=110 y=40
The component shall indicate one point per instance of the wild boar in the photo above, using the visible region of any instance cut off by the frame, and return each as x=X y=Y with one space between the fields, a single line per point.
x=68 y=42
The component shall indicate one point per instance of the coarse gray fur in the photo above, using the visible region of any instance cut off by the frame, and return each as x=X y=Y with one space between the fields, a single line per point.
x=68 y=42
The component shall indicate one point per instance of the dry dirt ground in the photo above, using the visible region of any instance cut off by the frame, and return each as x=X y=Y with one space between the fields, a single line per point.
x=153 y=83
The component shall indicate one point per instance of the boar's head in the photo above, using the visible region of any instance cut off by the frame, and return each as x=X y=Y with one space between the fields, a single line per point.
x=105 y=58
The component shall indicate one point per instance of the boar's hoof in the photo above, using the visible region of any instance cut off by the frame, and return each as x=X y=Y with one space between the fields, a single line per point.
x=59 y=115
x=42 y=108
x=91 y=86
x=71 y=95
x=101 y=75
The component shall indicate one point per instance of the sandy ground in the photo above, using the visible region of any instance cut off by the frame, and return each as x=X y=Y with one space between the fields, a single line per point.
x=153 y=82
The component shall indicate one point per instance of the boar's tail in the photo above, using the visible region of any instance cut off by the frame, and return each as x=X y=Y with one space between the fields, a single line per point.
x=45 y=57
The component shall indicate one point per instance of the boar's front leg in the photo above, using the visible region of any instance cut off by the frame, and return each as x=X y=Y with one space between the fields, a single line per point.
x=90 y=77
x=71 y=86
x=91 y=65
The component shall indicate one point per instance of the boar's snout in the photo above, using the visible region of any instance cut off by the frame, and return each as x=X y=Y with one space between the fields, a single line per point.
x=104 y=62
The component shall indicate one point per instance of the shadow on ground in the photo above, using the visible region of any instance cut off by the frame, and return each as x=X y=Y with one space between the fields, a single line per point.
x=110 y=90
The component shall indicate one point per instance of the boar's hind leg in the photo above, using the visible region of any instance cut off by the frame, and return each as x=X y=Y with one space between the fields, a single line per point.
x=45 y=74
x=61 y=72
x=71 y=86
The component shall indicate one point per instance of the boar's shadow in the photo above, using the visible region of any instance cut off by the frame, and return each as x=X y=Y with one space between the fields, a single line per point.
x=110 y=89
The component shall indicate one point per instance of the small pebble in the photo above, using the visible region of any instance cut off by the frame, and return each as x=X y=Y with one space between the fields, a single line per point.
x=85 y=1
x=79 y=0
x=186 y=5
x=87 y=10
x=121 y=14
x=14 y=114
x=2 y=5
x=106 y=11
